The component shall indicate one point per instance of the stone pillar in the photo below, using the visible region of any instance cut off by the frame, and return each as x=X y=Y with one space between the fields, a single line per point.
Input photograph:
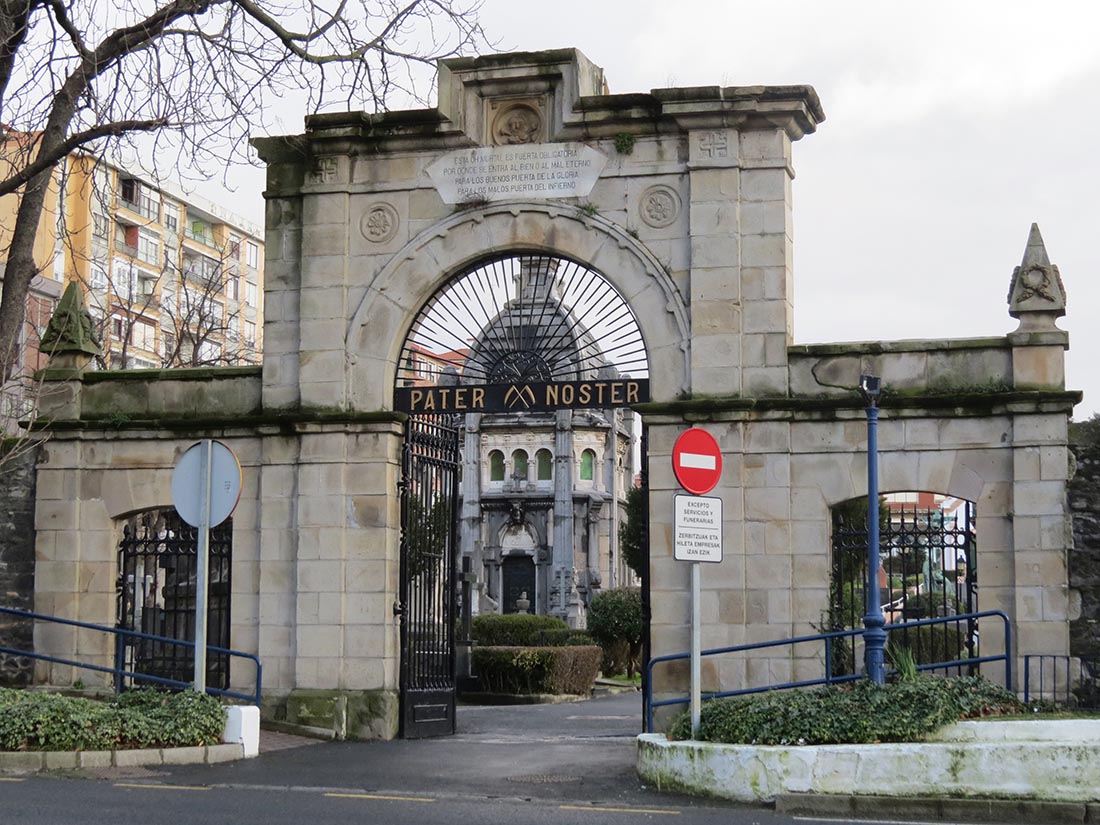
x=562 y=565
x=767 y=244
x=469 y=540
x=715 y=262
x=1040 y=515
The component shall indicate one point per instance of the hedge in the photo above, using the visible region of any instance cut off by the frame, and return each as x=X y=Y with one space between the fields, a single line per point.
x=855 y=713
x=35 y=720
x=517 y=629
x=511 y=669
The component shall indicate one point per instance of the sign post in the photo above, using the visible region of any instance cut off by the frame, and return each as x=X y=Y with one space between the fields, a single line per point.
x=206 y=486
x=697 y=463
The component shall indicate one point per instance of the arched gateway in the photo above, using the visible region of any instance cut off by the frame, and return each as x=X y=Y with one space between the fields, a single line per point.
x=680 y=199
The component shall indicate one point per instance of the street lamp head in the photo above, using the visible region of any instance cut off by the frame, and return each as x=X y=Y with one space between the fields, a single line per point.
x=870 y=387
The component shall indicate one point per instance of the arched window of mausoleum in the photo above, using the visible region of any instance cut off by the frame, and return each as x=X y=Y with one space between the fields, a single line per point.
x=588 y=465
x=520 y=467
x=545 y=465
x=496 y=466
x=927 y=570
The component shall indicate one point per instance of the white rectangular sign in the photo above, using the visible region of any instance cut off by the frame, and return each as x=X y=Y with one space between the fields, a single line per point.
x=531 y=170
x=698 y=528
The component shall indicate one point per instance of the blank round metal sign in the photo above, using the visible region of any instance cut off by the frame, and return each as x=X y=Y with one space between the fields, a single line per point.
x=188 y=482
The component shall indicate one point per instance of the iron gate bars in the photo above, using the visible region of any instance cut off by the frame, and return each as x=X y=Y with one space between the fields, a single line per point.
x=929 y=570
x=429 y=501
x=157 y=560
x=522 y=318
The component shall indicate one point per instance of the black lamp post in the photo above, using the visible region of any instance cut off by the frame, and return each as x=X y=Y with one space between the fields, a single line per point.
x=874 y=634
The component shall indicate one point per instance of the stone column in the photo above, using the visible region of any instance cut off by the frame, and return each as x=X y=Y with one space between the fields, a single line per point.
x=562 y=563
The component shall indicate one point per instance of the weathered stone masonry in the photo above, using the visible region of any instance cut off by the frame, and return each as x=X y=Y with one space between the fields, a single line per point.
x=693 y=226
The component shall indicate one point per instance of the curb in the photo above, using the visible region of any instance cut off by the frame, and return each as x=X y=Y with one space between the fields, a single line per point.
x=33 y=761
x=933 y=808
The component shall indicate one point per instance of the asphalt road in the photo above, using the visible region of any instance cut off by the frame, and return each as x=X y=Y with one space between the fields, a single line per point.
x=523 y=765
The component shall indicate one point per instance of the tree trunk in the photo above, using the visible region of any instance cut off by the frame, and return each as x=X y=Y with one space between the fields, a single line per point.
x=19 y=272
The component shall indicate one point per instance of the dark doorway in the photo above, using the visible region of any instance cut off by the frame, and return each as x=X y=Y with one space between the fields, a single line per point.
x=518 y=573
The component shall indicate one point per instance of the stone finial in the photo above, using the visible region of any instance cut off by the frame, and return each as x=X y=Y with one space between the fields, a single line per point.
x=1036 y=295
x=70 y=331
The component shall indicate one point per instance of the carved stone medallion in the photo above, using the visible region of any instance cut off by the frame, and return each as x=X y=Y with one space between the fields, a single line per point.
x=379 y=223
x=659 y=206
x=516 y=124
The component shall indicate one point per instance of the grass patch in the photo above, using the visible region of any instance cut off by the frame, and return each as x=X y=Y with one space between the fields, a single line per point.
x=39 y=721
x=854 y=713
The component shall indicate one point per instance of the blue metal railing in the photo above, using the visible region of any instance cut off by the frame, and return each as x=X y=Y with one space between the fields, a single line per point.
x=119 y=672
x=1065 y=680
x=828 y=679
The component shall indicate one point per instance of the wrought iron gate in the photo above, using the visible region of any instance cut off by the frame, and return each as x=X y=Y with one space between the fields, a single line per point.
x=927 y=550
x=156 y=594
x=429 y=515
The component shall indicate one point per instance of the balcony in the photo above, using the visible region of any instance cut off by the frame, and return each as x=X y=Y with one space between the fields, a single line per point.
x=205 y=238
x=126 y=249
x=146 y=207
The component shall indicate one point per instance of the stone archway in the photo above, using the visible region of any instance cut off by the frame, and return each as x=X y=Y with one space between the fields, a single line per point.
x=379 y=324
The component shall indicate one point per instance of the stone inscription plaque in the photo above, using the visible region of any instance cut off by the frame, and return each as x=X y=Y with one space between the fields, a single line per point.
x=533 y=170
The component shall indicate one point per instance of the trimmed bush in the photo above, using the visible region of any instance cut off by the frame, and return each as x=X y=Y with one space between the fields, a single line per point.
x=515 y=629
x=855 y=713
x=34 y=720
x=509 y=669
x=561 y=637
x=615 y=622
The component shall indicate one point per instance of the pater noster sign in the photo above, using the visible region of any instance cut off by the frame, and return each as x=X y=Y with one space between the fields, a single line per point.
x=522 y=397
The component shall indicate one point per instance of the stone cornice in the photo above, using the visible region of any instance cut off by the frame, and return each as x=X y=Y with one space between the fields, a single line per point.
x=900 y=405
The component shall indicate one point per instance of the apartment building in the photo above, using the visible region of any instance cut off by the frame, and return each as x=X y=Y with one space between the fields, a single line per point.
x=170 y=279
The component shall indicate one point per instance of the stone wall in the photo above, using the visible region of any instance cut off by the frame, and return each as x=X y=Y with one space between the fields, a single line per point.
x=17 y=476
x=1084 y=558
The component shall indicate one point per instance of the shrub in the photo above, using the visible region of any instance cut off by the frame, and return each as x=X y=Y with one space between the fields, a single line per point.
x=930 y=644
x=615 y=622
x=855 y=713
x=514 y=629
x=35 y=720
x=560 y=637
x=536 y=669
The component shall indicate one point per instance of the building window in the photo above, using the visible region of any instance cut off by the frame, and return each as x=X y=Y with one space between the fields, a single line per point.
x=496 y=466
x=588 y=463
x=250 y=332
x=250 y=294
x=148 y=247
x=253 y=250
x=234 y=249
x=171 y=216
x=98 y=275
x=232 y=288
x=519 y=465
x=101 y=225
x=545 y=465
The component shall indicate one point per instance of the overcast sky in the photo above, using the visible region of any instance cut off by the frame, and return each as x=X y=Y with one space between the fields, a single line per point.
x=950 y=128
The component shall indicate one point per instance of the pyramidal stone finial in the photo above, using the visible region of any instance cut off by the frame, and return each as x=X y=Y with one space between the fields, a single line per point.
x=1036 y=295
x=70 y=330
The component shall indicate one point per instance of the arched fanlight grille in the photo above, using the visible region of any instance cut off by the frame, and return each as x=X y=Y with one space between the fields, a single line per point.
x=523 y=318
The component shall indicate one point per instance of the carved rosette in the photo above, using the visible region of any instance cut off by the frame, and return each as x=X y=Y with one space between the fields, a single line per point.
x=659 y=206
x=515 y=124
x=379 y=223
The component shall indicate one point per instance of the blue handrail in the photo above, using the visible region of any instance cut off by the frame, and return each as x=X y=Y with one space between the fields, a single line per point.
x=118 y=671
x=828 y=678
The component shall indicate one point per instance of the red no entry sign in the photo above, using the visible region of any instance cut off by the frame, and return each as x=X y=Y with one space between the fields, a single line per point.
x=697 y=461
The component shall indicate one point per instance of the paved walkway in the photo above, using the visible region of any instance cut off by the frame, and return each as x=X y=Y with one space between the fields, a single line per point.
x=520 y=751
